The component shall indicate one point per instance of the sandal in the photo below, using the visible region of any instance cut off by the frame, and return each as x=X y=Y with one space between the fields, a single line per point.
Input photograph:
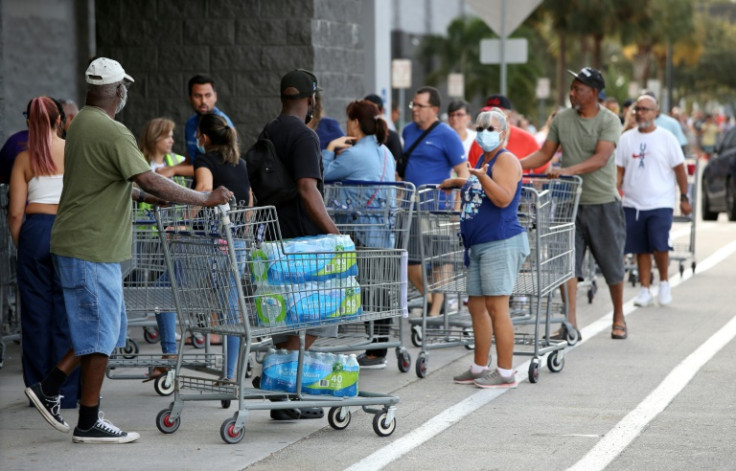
x=159 y=371
x=619 y=328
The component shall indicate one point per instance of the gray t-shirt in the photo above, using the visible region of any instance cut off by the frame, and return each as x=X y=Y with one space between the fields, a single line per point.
x=579 y=137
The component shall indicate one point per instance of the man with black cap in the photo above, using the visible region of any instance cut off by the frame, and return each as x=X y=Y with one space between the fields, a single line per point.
x=304 y=215
x=588 y=134
x=521 y=143
x=91 y=236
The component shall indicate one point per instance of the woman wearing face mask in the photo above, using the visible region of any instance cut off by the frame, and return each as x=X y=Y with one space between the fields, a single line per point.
x=221 y=165
x=495 y=245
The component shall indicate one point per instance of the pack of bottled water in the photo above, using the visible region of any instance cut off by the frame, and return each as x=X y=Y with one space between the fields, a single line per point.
x=322 y=373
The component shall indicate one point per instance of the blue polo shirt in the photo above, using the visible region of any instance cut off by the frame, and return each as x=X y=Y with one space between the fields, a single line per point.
x=190 y=133
x=432 y=160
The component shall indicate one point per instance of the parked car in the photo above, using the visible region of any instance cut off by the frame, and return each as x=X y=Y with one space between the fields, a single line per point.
x=719 y=180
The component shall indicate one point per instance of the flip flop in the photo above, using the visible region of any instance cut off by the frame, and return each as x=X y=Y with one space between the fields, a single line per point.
x=619 y=328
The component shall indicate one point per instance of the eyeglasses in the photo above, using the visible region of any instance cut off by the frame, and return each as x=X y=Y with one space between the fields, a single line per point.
x=413 y=105
x=481 y=128
x=642 y=108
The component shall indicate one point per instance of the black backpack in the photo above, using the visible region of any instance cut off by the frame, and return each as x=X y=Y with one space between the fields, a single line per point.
x=270 y=181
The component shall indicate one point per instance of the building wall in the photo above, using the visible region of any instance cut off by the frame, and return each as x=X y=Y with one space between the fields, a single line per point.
x=40 y=55
x=246 y=45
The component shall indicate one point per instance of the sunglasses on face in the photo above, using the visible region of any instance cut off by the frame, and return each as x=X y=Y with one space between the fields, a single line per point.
x=481 y=128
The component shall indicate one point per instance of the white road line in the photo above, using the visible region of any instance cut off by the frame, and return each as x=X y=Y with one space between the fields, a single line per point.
x=618 y=438
x=439 y=423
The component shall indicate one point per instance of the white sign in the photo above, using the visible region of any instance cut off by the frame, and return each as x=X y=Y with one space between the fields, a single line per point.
x=401 y=73
x=516 y=51
x=514 y=13
x=543 y=88
x=633 y=90
x=456 y=85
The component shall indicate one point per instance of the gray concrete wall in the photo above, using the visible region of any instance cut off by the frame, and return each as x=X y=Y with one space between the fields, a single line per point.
x=40 y=55
x=246 y=45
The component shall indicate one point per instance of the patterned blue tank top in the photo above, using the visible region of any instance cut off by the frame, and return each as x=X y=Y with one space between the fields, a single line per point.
x=482 y=221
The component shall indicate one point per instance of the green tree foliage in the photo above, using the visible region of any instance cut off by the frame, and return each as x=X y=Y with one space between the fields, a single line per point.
x=459 y=52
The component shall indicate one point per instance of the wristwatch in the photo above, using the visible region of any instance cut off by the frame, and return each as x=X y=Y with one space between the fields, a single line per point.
x=684 y=197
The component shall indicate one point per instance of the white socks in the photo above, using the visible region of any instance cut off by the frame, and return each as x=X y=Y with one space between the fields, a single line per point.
x=505 y=373
x=477 y=369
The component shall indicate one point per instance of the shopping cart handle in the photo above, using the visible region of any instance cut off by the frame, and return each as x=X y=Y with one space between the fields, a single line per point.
x=224 y=208
x=544 y=175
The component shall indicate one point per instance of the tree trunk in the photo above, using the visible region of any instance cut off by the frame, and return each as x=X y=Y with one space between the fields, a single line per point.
x=597 y=48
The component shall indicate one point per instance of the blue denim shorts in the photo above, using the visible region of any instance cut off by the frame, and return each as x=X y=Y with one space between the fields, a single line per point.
x=494 y=266
x=93 y=295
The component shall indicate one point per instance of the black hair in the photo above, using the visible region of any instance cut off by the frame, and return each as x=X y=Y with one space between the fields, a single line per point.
x=223 y=138
x=200 y=79
x=458 y=105
x=434 y=95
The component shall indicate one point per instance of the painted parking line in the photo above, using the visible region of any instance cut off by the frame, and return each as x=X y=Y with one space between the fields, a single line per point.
x=439 y=423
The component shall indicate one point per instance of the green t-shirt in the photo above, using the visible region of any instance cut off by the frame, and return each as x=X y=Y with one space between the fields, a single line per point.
x=579 y=138
x=94 y=220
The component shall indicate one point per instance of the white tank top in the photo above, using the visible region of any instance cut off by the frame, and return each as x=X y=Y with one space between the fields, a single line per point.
x=45 y=189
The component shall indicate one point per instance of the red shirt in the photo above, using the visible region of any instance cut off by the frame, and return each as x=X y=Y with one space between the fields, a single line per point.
x=521 y=144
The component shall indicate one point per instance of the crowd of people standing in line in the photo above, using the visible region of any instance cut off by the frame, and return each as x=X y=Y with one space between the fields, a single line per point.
x=66 y=182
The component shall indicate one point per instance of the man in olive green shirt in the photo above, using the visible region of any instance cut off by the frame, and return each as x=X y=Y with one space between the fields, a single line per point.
x=91 y=236
x=588 y=134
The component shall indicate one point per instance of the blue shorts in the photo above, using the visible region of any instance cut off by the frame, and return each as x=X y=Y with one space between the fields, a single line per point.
x=93 y=295
x=494 y=266
x=648 y=231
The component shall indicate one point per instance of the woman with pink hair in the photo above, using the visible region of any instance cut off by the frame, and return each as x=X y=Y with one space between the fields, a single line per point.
x=35 y=188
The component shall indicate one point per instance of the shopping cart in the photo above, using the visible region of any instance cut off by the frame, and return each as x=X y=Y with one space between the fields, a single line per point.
x=436 y=230
x=9 y=298
x=215 y=258
x=547 y=210
x=147 y=292
x=374 y=215
x=682 y=252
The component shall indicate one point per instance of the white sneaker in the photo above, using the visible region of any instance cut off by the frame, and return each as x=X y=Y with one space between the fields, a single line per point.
x=665 y=293
x=644 y=298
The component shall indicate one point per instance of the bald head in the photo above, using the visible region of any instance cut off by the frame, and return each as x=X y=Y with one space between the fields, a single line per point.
x=646 y=109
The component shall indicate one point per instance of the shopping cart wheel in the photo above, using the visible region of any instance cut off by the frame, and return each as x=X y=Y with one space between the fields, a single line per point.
x=556 y=361
x=130 y=350
x=632 y=278
x=163 y=385
x=225 y=403
x=167 y=424
x=151 y=335
x=534 y=370
x=416 y=336
x=682 y=268
x=198 y=340
x=467 y=337
x=421 y=367
x=336 y=421
x=2 y=354
x=591 y=295
x=692 y=265
x=229 y=434
x=404 y=359
x=381 y=427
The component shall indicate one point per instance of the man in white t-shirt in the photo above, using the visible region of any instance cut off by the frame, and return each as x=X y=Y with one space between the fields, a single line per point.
x=650 y=165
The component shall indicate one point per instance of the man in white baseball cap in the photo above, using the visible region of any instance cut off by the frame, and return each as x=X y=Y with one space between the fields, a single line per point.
x=104 y=71
x=91 y=234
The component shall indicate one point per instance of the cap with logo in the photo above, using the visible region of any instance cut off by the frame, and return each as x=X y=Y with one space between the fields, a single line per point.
x=497 y=101
x=104 y=71
x=304 y=81
x=590 y=77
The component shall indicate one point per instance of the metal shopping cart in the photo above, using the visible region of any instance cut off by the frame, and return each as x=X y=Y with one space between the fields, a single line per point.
x=436 y=230
x=215 y=257
x=682 y=252
x=147 y=292
x=547 y=210
x=375 y=215
x=9 y=298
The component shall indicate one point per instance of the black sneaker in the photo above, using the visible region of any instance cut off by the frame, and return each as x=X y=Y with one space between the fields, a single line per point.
x=371 y=363
x=103 y=431
x=48 y=406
